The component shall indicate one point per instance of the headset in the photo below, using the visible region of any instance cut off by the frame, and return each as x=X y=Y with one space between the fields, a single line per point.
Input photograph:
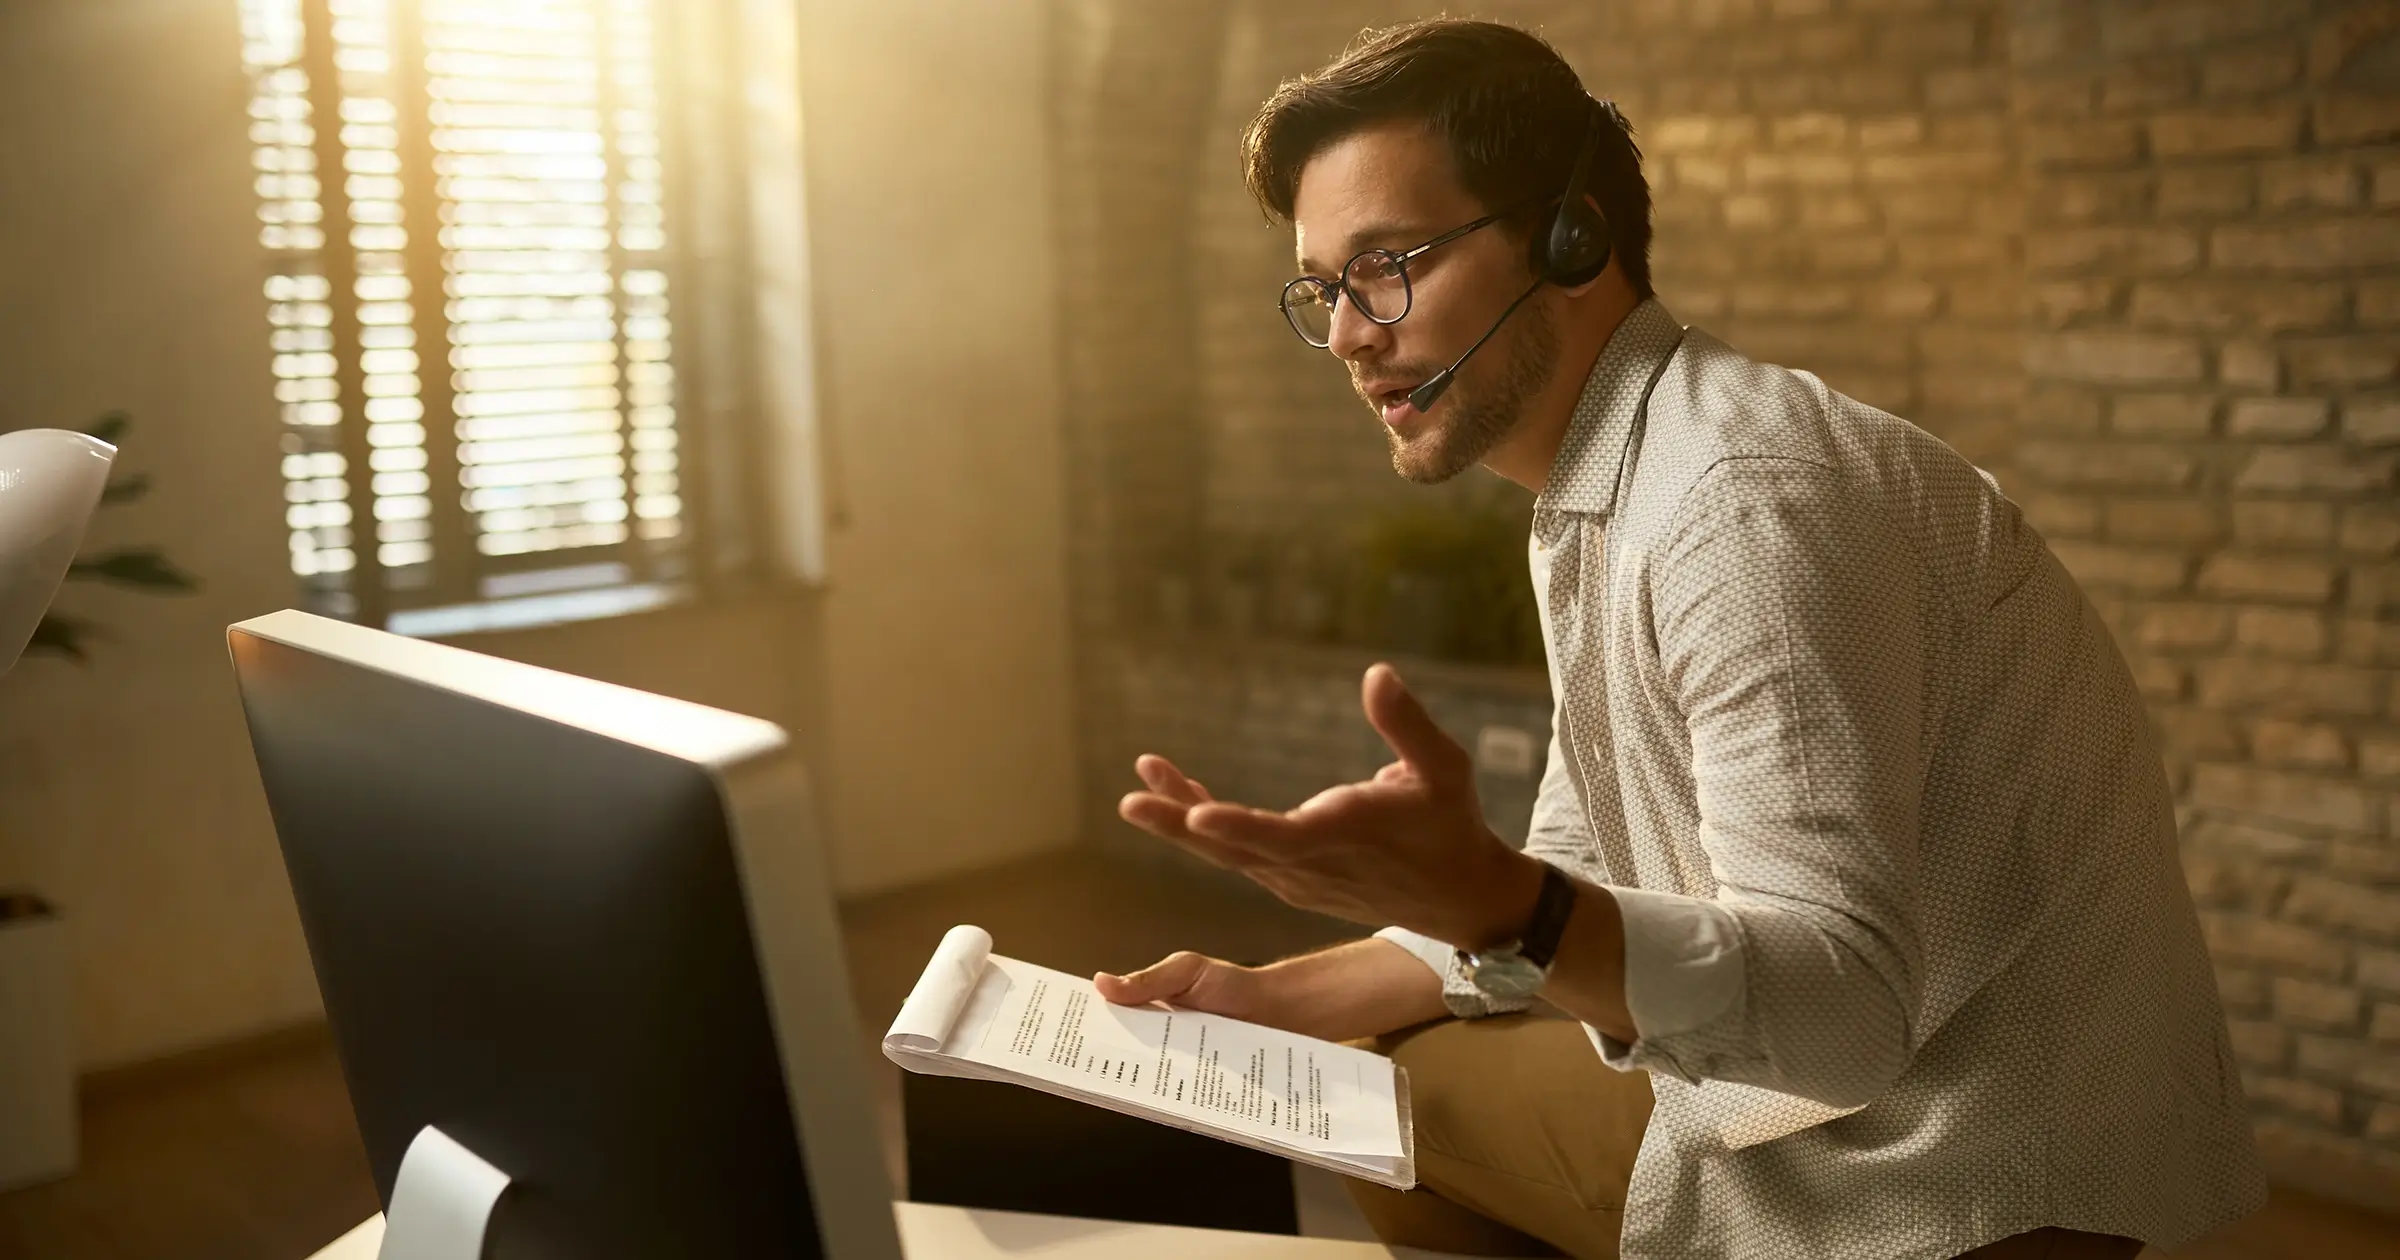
x=1574 y=251
x=1580 y=243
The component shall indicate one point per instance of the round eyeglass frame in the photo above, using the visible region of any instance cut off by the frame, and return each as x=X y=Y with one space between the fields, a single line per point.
x=1330 y=292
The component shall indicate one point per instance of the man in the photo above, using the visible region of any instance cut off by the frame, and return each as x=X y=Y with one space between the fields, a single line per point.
x=1853 y=852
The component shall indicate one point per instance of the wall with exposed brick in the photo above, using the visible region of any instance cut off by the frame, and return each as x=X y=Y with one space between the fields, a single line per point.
x=1835 y=191
x=2142 y=260
x=2213 y=265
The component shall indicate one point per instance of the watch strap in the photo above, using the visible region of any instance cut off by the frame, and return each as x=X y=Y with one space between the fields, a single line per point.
x=1548 y=926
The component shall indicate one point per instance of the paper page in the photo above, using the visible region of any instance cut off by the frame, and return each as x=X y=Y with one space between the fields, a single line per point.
x=950 y=978
x=1282 y=1087
x=441 y=1201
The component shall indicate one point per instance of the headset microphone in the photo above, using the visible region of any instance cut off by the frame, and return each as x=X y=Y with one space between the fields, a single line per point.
x=1424 y=396
x=1575 y=251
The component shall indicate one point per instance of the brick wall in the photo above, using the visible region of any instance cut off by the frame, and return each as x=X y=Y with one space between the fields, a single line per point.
x=1835 y=191
x=2213 y=264
x=2142 y=260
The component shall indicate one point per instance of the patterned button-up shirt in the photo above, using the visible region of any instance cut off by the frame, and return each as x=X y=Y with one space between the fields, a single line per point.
x=1907 y=945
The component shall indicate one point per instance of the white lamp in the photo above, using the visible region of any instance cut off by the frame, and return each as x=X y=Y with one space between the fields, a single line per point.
x=50 y=480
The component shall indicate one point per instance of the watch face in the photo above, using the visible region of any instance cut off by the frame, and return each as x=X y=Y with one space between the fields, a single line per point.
x=1507 y=976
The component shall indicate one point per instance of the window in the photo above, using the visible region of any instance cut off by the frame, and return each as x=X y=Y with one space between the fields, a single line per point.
x=469 y=302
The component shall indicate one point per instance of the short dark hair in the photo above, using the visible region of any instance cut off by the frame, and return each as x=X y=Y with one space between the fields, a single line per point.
x=1511 y=110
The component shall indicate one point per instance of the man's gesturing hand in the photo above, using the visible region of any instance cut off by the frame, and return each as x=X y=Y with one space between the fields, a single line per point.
x=1408 y=847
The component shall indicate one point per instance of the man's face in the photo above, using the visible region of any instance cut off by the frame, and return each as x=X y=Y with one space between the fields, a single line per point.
x=1391 y=187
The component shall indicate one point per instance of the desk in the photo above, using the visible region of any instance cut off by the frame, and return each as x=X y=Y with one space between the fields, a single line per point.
x=934 y=1232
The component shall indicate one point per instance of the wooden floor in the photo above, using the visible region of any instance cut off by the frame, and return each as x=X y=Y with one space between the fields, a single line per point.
x=250 y=1154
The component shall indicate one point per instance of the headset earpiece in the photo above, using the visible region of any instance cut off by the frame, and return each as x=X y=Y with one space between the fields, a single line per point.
x=1577 y=248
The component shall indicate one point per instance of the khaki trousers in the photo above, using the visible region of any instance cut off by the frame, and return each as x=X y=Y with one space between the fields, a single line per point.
x=1526 y=1143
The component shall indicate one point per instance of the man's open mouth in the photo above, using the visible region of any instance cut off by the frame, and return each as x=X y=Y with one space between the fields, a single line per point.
x=1392 y=400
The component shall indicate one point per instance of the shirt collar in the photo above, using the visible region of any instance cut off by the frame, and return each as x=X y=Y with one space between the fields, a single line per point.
x=1583 y=478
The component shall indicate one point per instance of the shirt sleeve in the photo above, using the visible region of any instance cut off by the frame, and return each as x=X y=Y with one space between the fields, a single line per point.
x=1787 y=621
x=1459 y=994
x=1683 y=965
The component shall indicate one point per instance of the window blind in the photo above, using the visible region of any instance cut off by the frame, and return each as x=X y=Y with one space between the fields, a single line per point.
x=468 y=295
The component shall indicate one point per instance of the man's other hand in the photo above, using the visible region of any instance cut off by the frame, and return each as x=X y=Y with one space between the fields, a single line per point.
x=1195 y=982
x=1353 y=990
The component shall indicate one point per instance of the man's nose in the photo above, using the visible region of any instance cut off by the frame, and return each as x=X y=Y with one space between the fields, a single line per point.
x=1354 y=336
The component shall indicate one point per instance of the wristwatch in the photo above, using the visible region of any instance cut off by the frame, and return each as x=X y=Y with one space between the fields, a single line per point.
x=1516 y=971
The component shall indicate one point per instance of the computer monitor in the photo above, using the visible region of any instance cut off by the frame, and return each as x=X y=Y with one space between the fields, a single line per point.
x=582 y=930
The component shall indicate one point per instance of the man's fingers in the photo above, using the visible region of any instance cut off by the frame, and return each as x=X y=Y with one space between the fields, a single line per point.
x=1166 y=820
x=1155 y=814
x=1241 y=826
x=1186 y=979
x=1162 y=777
x=1410 y=730
x=1162 y=981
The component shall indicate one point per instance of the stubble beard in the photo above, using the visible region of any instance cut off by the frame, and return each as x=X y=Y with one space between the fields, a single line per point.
x=1471 y=420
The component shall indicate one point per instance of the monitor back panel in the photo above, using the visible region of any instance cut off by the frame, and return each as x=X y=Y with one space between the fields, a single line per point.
x=534 y=938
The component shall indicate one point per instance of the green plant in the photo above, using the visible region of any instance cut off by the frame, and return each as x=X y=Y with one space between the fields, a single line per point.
x=1447 y=579
x=139 y=568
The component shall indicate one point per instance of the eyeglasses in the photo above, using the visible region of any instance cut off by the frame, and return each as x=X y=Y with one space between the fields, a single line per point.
x=1376 y=281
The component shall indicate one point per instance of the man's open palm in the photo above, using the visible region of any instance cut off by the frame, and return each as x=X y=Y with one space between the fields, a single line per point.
x=1408 y=846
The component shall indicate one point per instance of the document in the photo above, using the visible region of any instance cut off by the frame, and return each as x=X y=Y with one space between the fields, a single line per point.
x=978 y=1014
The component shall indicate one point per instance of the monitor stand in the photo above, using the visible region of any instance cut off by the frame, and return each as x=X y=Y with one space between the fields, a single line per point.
x=441 y=1201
